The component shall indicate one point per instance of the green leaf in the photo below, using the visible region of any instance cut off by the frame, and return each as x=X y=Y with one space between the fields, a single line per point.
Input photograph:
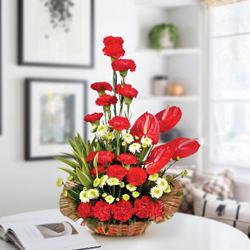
x=70 y=172
x=70 y=163
x=83 y=178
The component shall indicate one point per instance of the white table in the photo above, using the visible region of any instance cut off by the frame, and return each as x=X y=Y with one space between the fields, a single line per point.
x=182 y=232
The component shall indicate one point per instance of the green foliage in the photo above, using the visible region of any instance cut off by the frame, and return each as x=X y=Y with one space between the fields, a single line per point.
x=156 y=33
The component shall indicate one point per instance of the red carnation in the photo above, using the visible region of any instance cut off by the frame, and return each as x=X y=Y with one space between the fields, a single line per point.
x=127 y=91
x=102 y=211
x=104 y=157
x=110 y=40
x=100 y=170
x=143 y=207
x=122 y=210
x=123 y=65
x=114 y=50
x=85 y=210
x=100 y=87
x=106 y=100
x=119 y=123
x=136 y=176
x=168 y=118
x=157 y=211
x=127 y=159
x=92 y=118
x=116 y=171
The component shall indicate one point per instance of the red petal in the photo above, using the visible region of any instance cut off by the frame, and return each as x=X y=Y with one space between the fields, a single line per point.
x=168 y=118
x=146 y=125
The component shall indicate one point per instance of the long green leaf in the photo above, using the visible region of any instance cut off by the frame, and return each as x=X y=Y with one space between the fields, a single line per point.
x=70 y=163
x=70 y=172
x=83 y=178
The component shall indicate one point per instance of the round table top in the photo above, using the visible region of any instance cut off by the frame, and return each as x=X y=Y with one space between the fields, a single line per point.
x=182 y=232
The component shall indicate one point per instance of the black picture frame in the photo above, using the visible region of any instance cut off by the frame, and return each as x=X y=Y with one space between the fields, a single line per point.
x=28 y=114
x=1 y=72
x=20 y=44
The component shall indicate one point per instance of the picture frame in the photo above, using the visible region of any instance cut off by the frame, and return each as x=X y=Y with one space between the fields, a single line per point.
x=54 y=111
x=47 y=40
x=1 y=72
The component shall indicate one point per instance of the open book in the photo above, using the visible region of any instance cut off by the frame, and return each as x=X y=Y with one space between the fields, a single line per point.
x=49 y=234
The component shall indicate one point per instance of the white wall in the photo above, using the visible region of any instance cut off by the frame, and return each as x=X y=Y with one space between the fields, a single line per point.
x=28 y=186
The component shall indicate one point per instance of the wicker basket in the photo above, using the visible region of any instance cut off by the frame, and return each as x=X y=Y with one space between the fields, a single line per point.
x=171 y=201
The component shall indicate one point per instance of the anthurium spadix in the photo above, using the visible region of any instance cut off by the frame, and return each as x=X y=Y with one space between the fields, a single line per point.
x=168 y=118
x=158 y=158
x=146 y=126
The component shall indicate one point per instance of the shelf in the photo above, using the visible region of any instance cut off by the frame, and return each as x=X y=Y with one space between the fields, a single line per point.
x=170 y=98
x=166 y=3
x=172 y=52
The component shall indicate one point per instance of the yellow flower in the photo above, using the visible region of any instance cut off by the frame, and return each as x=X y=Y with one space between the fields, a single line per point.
x=109 y=199
x=153 y=177
x=113 y=181
x=156 y=192
x=130 y=187
x=104 y=195
x=135 y=194
x=122 y=184
x=102 y=130
x=96 y=182
x=93 y=193
x=59 y=182
x=65 y=193
x=162 y=183
x=126 y=197
x=84 y=196
x=110 y=136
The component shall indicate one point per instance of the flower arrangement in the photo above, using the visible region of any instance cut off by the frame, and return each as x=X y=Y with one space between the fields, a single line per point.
x=118 y=181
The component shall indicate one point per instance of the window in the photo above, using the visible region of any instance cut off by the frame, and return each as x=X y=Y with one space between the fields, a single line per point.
x=229 y=81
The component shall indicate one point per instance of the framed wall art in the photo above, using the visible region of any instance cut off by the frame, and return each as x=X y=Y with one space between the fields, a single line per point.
x=56 y=33
x=54 y=110
x=1 y=67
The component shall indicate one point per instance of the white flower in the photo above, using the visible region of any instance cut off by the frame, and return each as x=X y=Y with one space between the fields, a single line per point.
x=84 y=196
x=128 y=138
x=156 y=192
x=113 y=181
x=162 y=183
x=131 y=188
x=103 y=180
x=93 y=193
x=102 y=130
x=135 y=148
x=146 y=142
x=109 y=199
x=153 y=177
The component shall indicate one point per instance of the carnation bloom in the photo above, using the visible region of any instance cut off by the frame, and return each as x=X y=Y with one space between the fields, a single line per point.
x=168 y=118
x=93 y=118
x=116 y=171
x=122 y=210
x=146 y=126
x=119 y=123
x=123 y=65
x=110 y=40
x=136 y=176
x=101 y=87
x=102 y=211
x=157 y=211
x=84 y=210
x=104 y=157
x=106 y=100
x=127 y=159
x=114 y=50
x=127 y=91
x=143 y=207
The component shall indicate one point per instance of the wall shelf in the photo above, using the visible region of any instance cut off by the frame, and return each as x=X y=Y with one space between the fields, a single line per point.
x=166 y=3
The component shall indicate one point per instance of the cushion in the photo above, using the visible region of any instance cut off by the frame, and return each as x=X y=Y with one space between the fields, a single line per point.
x=231 y=212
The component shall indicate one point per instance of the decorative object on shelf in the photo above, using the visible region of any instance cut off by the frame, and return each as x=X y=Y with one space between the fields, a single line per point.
x=175 y=89
x=0 y=67
x=163 y=36
x=53 y=110
x=159 y=84
x=118 y=181
x=62 y=36
x=219 y=2
x=170 y=135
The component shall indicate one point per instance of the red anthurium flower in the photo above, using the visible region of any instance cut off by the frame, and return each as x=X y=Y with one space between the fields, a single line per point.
x=158 y=158
x=116 y=171
x=146 y=125
x=104 y=157
x=127 y=159
x=127 y=91
x=110 y=40
x=101 y=87
x=119 y=123
x=123 y=65
x=92 y=118
x=184 y=147
x=106 y=100
x=114 y=50
x=168 y=118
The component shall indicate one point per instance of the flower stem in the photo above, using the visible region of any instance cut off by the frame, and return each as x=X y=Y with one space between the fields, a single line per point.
x=122 y=98
x=114 y=88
